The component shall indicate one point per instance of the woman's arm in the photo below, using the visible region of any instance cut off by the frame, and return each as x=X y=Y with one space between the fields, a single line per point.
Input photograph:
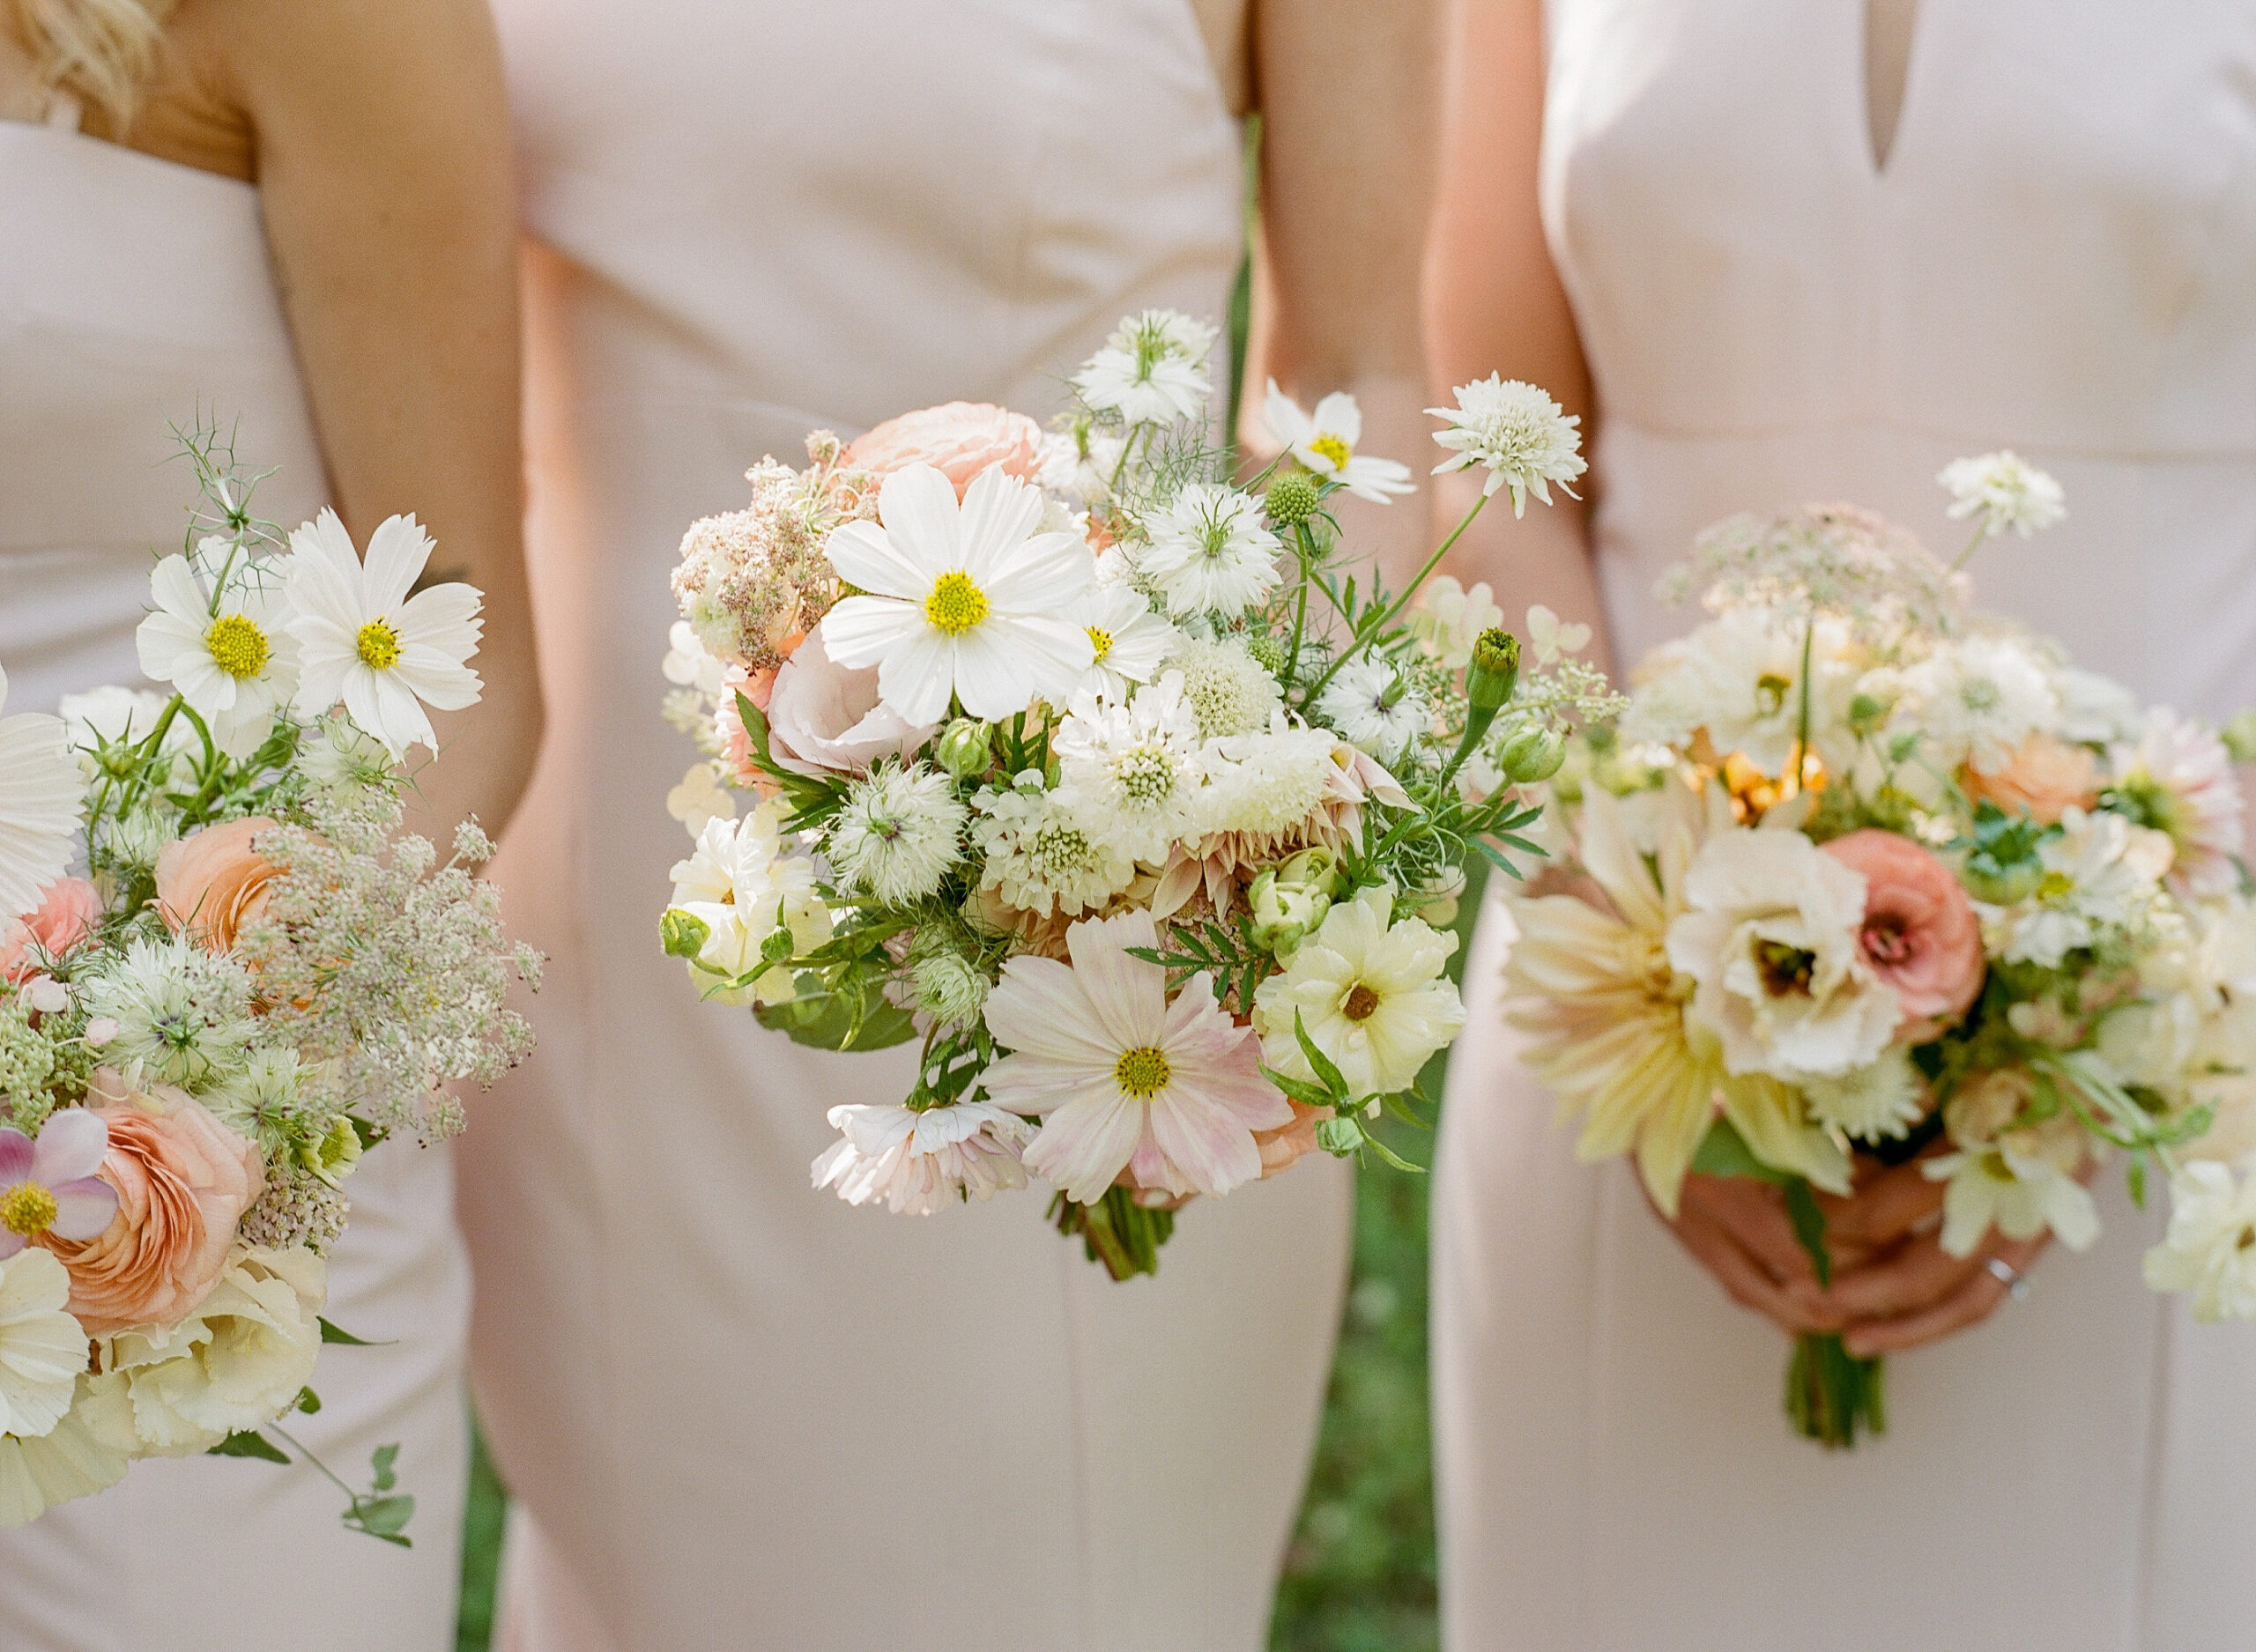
x=380 y=146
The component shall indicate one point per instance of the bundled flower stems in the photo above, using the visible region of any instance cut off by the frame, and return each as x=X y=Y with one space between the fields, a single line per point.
x=1113 y=783
x=1875 y=880
x=225 y=972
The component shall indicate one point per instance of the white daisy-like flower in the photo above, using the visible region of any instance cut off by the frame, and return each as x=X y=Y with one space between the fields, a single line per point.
x=1134 y=770
x=2095 y=710
x=2178 y=779
x=1151 y=370
x=2102 y=877
x=742 y=887
x=363 y=640
x=1125 y=1078
x=920 y=1162
x=1375 y=708
x=2006 y=491
x=1371 y=995
x=691 y=664
x=231 y=657
x=1325 y=442
x=1739 y=677
x=2210 y=1250
x=42 y=1350
x=183 y=1013
x=1209 y=553
x=42 y=794
x=898 y=832
x=1129 y=639
x=1525 y=439
x=1226 y=688
x=1974 y=701
x=2018 y=1193
x=966 y=600
x=1881 y=1100
x=1045 y=855
x=1448 y=620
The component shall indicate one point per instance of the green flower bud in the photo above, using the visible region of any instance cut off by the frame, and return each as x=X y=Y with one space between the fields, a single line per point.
x=2239 y=735
x=966 y=748
x=1268 y=654
x=2004 y=885
x=1339 y=1137
x=333 y=1151
x=1283 y=913
x=1866 y=712
x=1494 y=671
x=683 y=933
x=1535 y=754
x=1292 y=497
x=1317 y=869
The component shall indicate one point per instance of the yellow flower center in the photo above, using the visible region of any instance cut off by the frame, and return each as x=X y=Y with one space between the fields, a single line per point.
x=1101 y=641
x=379 y=646
x=2055 y=886
x=27 y=1209
x=1334 y=449
x=1361 y=1003
x=956 y=604
x=1142 y=1072
x=237 y=645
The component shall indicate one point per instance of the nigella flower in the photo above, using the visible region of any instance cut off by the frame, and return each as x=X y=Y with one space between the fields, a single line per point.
x=1170 y=1091
x=898 y=832
x=1325 y=442
x=180 y=1012
x=48 y=1186
x=1151 y=370
x=364 y=639
x=1525 y=439
x=229 y=654
x=1209 y=553
x=41 y=794
x=1375 y=709
x=919 y=1162
x=2005 y=491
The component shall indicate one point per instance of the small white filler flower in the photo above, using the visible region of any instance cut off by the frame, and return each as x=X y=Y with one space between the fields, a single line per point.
x=2006 y=491
x=41 y=793
x=1325 y=442
x=1525 y=439
x=230 y=655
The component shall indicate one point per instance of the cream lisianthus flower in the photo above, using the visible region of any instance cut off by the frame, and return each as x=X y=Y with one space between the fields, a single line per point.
x=1325 y=442
x=364 y=639
x=2210 y=1251
x=87 y=1451
x=1370 y=995
x=41 y=796
x=742 y=885
x=232 y=656
x=966 y=600
x=1605 y=1010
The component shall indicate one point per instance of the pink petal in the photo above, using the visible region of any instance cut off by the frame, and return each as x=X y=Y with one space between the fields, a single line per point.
x=71 y=1145
x=1084 y=1144
x=1127 y=994
x=1040 y=1007
x=16 y=1156
x=1213 y=1151
x=83 y=1209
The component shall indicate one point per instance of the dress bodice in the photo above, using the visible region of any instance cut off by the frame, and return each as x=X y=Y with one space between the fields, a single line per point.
x=134 y=294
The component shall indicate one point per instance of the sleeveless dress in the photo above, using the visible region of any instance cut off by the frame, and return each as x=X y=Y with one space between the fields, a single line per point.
x=134 y=291
x=2059 y=256
x=734 y=1411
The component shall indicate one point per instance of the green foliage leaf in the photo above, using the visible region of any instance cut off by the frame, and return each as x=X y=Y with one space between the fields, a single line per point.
x=1325 y=1069
x=248 y=1442
x=823 y=1019
x=380 y=1461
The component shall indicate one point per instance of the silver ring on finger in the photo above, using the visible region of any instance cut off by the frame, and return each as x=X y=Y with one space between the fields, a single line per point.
x=2010 y=1276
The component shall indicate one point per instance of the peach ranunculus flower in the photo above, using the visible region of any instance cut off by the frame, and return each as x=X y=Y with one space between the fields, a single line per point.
x=2044 y=776
x=66 y=915
x=183 y=1181
x=215 y=883
x=958 y=438
x=1920 y=935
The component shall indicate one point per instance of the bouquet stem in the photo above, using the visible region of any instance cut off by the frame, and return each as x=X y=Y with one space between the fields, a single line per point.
x=1116 y=1231
x=1831 y=1393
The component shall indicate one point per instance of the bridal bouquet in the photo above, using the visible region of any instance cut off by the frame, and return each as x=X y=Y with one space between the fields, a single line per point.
x=1868 y=875
x=1105 y=779
x=256 y=977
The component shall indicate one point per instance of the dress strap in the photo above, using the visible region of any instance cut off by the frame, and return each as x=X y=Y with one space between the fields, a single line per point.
x=65 y=111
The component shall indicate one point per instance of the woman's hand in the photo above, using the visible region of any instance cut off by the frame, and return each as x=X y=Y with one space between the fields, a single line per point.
x=1737 y=1229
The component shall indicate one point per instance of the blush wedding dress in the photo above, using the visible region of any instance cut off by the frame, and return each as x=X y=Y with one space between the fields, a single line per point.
x=734 y=1411
x=2058 y=255
x=136 y=294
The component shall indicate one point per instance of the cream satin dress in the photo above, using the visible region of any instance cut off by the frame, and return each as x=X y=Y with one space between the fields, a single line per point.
x=736 y=1412
x=133 y=293
x=2059 y=256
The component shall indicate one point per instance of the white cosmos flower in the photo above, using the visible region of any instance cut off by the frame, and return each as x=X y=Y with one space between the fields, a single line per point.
x=920 y=1162
x=2211 y=1248
x=2020 y=1193
x=41 y=795
x=233 y=660
x=1974 y=701
x=1129 y=639
x=42 y=1350
x=1209 y=553
x=1325 y=442
x=1525 y=439
x=966 y=600
x=1151 y=370
x=1134 y=771
x=898 y=832
x=2006 y=491
x=1371 y=996
x=1126 y=1079
x=363 y=640
x=1375 y=708
x=88 y=1451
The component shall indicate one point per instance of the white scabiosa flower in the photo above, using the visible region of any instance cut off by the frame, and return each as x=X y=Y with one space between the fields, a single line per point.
x=231 y=656
x=1123 y=1078
x=1523 y=439
x=1974 y=701
x=1209 y=553
x=898 y=832
x=2210 y=1251
x=919 y=1162
x=1325 y=442
x=363 y=640
x=41 y=796
x=1129 y=640
x=1371 y=996
x=1226 y=689
x=742 y=885
x=1152 y=371
x=969 y=600
x=2006 y=491
x=1375 y=708
x=1134 y=770
x=1045 y=855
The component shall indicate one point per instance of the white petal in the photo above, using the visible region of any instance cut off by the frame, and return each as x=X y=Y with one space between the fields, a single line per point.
x=916 y=678
x=918 y=507
x=991 y=678
x=999 y=514
x=866 y=555
x=398 y=552
x=862 y=630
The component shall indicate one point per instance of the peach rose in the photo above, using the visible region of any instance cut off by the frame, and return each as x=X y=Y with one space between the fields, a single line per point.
x=823 y=718
x=183 y=1181
x=1920 y=935
x=2045 y=776
x=960 y=440
x=65 y=916
x=1286 y=1145
x=213 y=884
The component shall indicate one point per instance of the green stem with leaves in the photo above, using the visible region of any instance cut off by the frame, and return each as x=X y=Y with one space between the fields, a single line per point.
x=1373 y=628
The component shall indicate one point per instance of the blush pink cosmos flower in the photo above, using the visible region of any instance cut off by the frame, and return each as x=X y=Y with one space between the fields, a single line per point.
x=1919 y=935
x=1172 y=1092
x=65 y=916
x=958 y=438
x=48 y=1186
